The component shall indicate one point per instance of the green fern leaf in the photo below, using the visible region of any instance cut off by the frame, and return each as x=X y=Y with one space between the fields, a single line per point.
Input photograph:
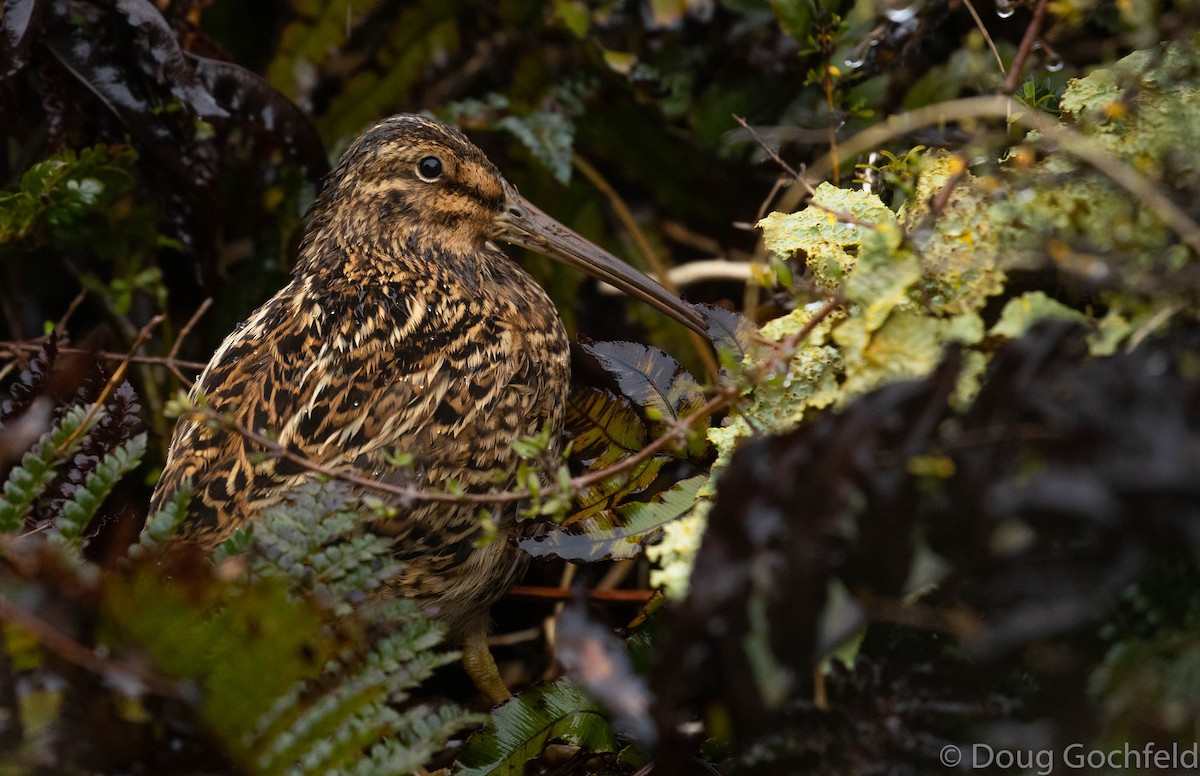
x=520 y=729
x=29 y=479
x=164 y=524
x=421 y=733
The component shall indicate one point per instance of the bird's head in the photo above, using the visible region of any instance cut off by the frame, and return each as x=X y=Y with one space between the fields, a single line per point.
x=423 y=183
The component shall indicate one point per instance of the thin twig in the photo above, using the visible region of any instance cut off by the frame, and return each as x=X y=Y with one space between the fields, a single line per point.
x=565 y=594
x=798 y=177
x=678 y=430
x=113 y=381
x=986 y=35
x=183 y=333
x=61 y=325
x=77 y=654
x=1068 y=140
x=1026 y=46
x=14 y=348
x=775 y=157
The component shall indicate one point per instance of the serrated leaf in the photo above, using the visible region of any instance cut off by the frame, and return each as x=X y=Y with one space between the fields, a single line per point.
x=605 y=495
x=729 y=331
x=619 y=533
x=519 y=730
x=661 y=389
x=602 y=427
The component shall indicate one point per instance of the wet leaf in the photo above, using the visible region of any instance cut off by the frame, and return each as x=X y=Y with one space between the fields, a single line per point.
x=18 y=22
x=661 y=389
x=602 y=427
x=157 y=42
x=253 y=99
x=135 y=96
x=731 y=333
x=519 y=730
x=617 y=533
x=595 y=499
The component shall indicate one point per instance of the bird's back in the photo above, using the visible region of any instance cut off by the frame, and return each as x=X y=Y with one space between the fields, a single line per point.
x=444 y=360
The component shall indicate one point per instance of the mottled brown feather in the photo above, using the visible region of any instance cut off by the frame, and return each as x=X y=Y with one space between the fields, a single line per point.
x=403 y=329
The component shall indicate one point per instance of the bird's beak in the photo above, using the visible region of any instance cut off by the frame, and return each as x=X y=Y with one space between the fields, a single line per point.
x=525 y=225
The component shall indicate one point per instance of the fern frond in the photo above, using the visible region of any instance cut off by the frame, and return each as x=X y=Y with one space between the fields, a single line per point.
x=317 y=740
x=331 y=732
x=162 y=526
x=83 y=502
x=29 y=479
x=317 y=539
x=421 y=733
x=342 y=717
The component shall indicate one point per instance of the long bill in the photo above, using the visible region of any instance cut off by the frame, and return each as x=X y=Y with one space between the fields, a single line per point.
x=524 y=225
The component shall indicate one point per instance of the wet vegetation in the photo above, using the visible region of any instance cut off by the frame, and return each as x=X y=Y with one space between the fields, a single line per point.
x=933 y=480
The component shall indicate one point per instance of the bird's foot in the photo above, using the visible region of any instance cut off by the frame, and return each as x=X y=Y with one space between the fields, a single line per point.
x=481 y=667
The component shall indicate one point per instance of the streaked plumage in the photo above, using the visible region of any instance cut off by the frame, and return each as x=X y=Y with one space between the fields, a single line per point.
x=404 y=328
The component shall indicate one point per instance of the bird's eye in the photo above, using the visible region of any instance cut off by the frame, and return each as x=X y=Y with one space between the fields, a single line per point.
x=429 y=168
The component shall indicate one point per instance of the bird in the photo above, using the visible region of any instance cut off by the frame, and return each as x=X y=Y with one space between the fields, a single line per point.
x=404 y=327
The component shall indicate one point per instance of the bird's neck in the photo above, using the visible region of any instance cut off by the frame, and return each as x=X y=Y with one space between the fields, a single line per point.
x=341 y=264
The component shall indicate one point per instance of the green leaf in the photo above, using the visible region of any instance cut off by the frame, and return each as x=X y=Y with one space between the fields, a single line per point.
x=164 y=524
x=618 y=533
x=29 y=479
x=795 y=17
x=549 y=136
x=519 y=730
x=59 y=191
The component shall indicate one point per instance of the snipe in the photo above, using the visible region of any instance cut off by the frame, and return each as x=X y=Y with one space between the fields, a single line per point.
x=404 y=327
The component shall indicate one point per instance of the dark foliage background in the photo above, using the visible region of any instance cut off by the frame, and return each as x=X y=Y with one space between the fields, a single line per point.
x=999 y=548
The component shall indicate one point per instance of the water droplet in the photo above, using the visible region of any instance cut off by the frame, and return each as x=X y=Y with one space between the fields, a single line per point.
x=1006 y=8
x=902 y=13
x=858 y=54
x=1054 y=64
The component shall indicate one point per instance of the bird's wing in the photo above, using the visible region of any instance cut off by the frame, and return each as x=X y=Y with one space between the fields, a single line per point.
x=340 y=387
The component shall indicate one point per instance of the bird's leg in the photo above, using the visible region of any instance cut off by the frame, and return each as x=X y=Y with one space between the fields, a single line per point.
x=481 y=666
